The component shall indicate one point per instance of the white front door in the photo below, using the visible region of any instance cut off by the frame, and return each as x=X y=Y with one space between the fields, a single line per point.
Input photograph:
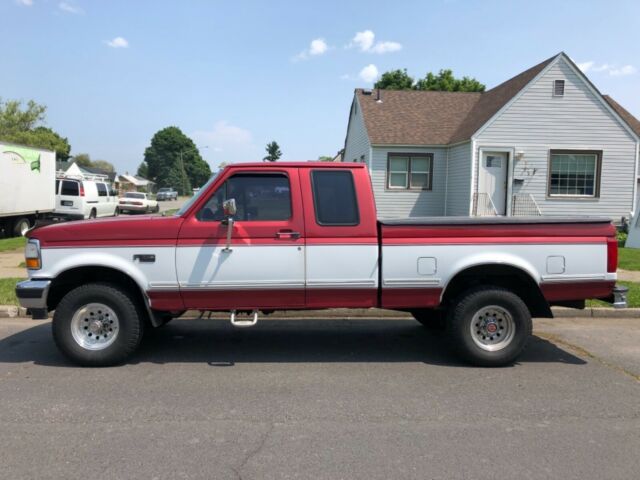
x=493 y=179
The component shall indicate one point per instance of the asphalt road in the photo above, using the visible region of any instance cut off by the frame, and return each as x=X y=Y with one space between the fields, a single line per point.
x=315 y=399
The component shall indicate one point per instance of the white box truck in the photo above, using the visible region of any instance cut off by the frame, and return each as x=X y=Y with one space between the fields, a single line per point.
x=27 y=186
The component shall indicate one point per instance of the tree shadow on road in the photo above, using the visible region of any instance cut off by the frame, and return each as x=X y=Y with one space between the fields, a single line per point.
x=216 y=343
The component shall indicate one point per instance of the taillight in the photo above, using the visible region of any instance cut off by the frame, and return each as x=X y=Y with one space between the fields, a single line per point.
x=612 y=255
x=81 y=190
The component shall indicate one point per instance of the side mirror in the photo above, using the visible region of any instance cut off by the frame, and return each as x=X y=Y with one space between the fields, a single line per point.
x=229 y=207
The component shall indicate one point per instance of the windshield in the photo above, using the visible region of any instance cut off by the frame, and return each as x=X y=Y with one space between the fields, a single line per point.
x=133 y=195
x=193 y=199
x=164 y=190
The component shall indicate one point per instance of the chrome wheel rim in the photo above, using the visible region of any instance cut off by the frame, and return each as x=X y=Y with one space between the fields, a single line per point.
x=95 y=326
x=492 y=328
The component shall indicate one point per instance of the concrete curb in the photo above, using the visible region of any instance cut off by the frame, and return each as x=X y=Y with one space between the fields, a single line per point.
x=12 y=311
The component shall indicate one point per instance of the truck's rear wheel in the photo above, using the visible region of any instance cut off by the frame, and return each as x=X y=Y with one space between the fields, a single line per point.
x=97 y=324
x=489 y=326
x=20 y=226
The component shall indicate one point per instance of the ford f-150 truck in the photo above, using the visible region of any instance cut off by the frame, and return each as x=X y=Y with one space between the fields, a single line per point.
x=294 y=236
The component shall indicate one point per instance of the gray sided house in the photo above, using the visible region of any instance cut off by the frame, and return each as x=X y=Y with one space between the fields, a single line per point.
x=545 y=142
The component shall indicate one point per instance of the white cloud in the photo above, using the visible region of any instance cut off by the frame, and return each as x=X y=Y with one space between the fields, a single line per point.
x=386 y=47
x=612 y=70
x=229 y=142
x=318 y=46
x=369 y=73
x=585 y=66
x=69 y=8
x=118 y=42
x=25 y=3
x=624 y=70
x=366 y=42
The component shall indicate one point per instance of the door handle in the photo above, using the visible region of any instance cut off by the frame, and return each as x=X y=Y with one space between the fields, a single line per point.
x=288 y=234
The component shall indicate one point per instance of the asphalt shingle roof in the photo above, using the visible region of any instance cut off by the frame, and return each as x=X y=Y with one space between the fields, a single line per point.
x=410 y=117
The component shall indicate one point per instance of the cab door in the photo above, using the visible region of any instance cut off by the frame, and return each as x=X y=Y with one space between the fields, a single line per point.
x=263 y=267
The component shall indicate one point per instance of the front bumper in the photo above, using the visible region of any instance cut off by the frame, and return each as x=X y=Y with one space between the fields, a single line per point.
x=32 y=294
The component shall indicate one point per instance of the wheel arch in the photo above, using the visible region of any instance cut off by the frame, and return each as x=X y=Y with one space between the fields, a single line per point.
x=512 y=277
x=68 y=279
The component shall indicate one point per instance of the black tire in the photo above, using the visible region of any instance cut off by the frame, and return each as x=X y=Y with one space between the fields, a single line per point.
x=92 y=213
x=116 y=212
x=472 y=302
x=129 y=319
x=20 y=226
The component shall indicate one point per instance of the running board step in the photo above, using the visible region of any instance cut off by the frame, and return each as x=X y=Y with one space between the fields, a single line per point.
x=244 y=323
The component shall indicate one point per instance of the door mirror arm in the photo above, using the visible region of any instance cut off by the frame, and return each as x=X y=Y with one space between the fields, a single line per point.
x=229 y=208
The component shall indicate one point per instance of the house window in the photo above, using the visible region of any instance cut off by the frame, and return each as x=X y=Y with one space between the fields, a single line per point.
x=558 y=88
x=410 y=171
x=574 y=173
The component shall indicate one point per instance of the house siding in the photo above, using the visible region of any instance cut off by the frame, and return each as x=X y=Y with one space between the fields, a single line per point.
x=357 y=141
x=409 y=203
x=458 y=183
x=537 y=122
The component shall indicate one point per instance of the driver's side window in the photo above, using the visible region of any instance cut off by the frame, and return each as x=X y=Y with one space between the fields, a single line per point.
x=258 y=197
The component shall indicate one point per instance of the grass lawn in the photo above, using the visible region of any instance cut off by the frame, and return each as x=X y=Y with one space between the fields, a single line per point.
x=629 y=258
x=7 y=291
x=8 y=244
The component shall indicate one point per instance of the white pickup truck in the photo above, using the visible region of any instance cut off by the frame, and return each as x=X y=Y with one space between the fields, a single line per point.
x=261 y=237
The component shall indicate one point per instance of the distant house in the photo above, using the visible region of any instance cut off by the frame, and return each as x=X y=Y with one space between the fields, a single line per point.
x=134 y=183
x=544 y=142
x=74 y=169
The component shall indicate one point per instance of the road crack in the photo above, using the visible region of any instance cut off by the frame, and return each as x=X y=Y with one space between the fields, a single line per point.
x=256 y=451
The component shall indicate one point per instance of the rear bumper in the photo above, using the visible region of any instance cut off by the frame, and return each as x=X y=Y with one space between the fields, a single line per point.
x=132 y=208
x=32 y=294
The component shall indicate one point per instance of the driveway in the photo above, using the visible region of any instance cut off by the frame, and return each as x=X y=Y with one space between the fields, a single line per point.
x=344 y=399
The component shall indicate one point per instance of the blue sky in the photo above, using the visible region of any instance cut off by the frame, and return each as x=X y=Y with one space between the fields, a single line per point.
x=235 y=75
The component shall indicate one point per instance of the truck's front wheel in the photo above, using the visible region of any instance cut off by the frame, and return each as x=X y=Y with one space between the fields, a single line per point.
x=97 y=324
x=489 y=326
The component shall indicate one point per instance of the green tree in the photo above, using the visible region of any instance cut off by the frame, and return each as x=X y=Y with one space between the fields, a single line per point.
x=444 y=81
x=18 y=125
x=173 y=160
x=143 y=170
x=273 y=152
x=84 y=160
x=14 y=119
x=325 y=158
x=395 y=80
x=103 y=165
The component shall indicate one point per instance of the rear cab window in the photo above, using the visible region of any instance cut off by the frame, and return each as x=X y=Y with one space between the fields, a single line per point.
x=334 y=198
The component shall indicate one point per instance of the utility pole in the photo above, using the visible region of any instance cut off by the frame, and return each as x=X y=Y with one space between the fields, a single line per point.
x=186 y=185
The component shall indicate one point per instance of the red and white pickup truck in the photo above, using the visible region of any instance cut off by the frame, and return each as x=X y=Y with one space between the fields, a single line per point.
x=289 y=236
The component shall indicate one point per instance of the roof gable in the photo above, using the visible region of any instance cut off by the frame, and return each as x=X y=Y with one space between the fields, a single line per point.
x=410 y=117
x=632 y=122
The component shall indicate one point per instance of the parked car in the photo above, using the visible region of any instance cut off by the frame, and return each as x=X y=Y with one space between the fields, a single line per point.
x=305 y=236
x=167 y=193
x=78 y=199
x=138 y=202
